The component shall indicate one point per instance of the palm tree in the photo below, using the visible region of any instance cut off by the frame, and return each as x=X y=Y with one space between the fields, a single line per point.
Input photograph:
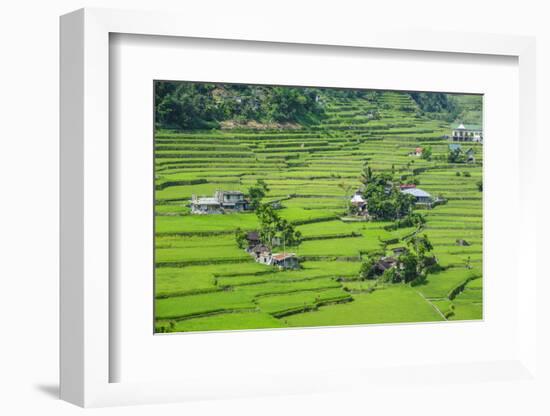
x=366 y=174
x=346 y=188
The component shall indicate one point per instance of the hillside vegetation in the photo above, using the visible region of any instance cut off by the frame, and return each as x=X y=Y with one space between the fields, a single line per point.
x=188 y=105
x=309 y=146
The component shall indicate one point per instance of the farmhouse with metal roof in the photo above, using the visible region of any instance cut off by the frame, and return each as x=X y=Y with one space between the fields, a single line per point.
x=205 y=205
x=420 y=196
x=359 y=203
x=221 y=202
x=262 y=254
x=285 y=260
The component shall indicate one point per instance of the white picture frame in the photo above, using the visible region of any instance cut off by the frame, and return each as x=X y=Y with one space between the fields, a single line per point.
x=86 y=355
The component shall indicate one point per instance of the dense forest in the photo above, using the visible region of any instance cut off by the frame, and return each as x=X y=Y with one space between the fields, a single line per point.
x=185 y=105
x=439 y=105
x=190 y=106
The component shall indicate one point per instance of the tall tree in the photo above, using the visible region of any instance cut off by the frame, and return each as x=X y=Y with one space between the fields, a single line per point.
x=366 y=174
x=257 y=192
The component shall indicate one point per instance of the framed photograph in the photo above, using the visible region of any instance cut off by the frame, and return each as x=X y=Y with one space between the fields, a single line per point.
x=289 y=221
x=289 y=207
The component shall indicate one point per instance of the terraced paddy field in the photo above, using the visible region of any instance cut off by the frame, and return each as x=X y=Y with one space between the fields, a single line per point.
x=205 y=282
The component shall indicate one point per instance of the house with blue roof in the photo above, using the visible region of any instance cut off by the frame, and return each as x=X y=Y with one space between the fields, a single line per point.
x=455 y=146
x=420 y=195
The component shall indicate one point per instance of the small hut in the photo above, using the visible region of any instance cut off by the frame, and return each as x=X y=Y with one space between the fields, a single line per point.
x=253 y=239
x=258 y=251
x=285 y=260
x=359 y=203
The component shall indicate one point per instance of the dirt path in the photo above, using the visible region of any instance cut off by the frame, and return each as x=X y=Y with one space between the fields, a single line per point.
x=432 y=305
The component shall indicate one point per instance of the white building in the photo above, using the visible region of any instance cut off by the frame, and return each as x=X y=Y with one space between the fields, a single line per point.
x=205 y=205
x=231 y=200
x=467 y=133
x=359 y=203
x=417 y=152
x=221 y=202
x=285 y=260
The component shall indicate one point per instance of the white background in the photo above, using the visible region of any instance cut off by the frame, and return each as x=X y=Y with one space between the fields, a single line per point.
x=29 y=172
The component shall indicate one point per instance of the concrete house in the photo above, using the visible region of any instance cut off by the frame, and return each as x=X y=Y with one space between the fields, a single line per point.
x=221 y=202
x=205 y=205
x=233 y=200
x=467 y=133
x=420 y=196
x=285 y=260
x=417 y=152
x=261 y=253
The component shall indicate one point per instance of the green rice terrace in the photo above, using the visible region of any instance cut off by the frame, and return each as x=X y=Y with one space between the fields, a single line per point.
x=310 y=169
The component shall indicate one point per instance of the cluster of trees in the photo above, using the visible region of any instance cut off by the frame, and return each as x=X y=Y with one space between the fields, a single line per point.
x=385 y=201
x=190 y=105
x=412 y=219
x=272 y=226
x=456 y=156
x=427 y=153
x=371 y=95
x=185 y=105
x=256 y=193
x=453 y=156
x=439 y=105
x=411 y=267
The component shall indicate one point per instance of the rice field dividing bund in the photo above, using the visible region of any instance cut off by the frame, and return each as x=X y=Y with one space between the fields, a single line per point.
x=205 y=282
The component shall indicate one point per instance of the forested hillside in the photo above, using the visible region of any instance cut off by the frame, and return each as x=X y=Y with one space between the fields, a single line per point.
x=201 y=106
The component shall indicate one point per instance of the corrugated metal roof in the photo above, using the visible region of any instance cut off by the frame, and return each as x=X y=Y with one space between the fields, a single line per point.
x=206 y=201
x=283 y=256
x=461 y=126
x=357 y=198
x=231 y=192
x=417 y=192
